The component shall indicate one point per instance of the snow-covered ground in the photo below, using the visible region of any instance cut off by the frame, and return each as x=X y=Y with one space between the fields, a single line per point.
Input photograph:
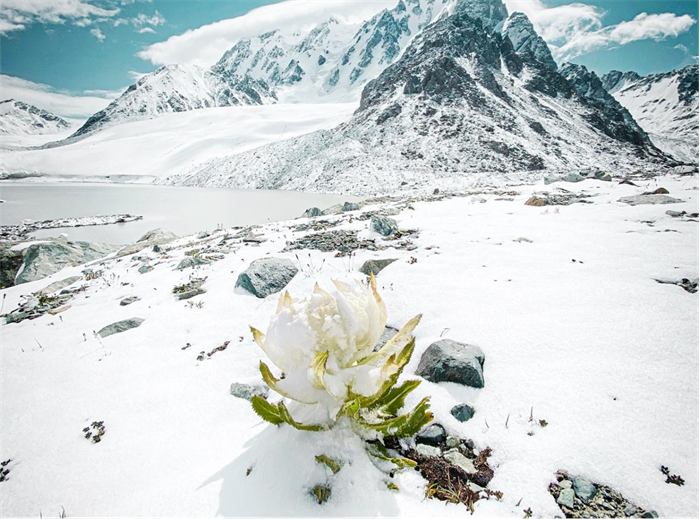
x=573 y=325
x=175 y=142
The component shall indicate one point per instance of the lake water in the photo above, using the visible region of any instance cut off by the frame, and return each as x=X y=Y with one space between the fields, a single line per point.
x=183 y=210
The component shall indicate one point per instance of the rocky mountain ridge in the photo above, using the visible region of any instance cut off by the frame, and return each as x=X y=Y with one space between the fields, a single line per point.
x=20 y=118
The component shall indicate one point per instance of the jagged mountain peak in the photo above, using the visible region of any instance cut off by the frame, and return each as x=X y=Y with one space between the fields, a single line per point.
x=20 y=118
x=526 y=41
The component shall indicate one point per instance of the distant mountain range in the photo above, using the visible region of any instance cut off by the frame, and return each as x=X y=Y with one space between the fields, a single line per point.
x=19 y=118
x=665 y=105
x=447 y=89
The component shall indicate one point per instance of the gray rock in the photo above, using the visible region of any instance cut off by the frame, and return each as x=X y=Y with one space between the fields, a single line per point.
x=452 y=442
x=584 y=488
x=375 y=266
x=566 y=498
x=191 y=262
x=600 y=175
x=388 y=334
x=202 y=234
x=10 y=263
x=120 y=326
x=267 y=276
x=428 y=450
x=312 y=212
x=129 y=300
x=651 y=514
x=565 y=483
x=460 y=460
x=44 y=259
x=383 y=225
x=433 y=435
x=152 y=238
x=248 y=391
x=144 y=269
x=58 y=285
x=450 y=361
x=191 y=293
x=630 y=510
x=462 y=412
x=350 y=206
x=675 y=214
x=332 y=210
x=649 y=200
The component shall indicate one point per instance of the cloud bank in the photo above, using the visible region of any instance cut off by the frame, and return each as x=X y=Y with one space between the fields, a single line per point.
x=205 y=45
x=16 y=15
x=64 y=104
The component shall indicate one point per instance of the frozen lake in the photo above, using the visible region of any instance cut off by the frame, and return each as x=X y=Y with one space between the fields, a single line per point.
x=183 y=210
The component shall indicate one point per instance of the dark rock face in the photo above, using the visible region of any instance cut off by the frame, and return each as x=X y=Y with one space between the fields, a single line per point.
x=375 y=266
x=10 y=263
x=462 y=412
x=607 y=114
x=433 y=435
x=451 y=361
x=267 y=276
x=526 y=42
x=120 y=326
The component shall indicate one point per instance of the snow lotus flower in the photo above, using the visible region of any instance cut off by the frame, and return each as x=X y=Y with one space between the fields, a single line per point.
x=324 y=347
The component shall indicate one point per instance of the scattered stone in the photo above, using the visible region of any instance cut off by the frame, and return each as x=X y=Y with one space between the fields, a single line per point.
x=689 y=285
x=120 y=326
x=436 y=191
x=659 y=191
x=462 y=412
x=248 y=391
x=350 y=206
x=202 y=234
x=583 y=488
x=450 y=361
x=628 y=182
x=267 y=276
x=522 y=240
x=599 y=175
x=452 y=442
x=427 y=450
x=649 y=200
x=58 y=285
x=459 y=459
x=433 y=435
x=675 y=214
x=383 y=225
x=565 y=483
x=386 y=336
x=375 y=266
x=144 y=269
x=332 y=210
x=569 y=177
x=154 y=237
x=342 y=242
x=311 y=212
x=191 y=262
x=566 y=498
x=191 y=293
x=129 y=300
x=536 y=201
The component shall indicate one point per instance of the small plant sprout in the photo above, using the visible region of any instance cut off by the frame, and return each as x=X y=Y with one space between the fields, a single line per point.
x=324 y=347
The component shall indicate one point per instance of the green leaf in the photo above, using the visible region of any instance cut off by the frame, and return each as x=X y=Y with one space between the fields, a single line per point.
x=417 y=419
x=271 y=381
x=378 y=450
x=332 y=463
x=287 y=418
x=395 y=344
x=266 y=410
x=393 y=400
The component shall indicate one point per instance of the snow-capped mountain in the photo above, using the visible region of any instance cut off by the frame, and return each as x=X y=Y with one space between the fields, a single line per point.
x=178 y=88
x=19 y=118
x=459 y=102
x=337 y=59
x=665 y=105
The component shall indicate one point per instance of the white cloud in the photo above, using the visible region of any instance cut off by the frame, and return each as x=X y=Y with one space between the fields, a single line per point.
x=572 y=30
x=97 y=33
x=60 y=103
x=682 y=48
x=136 y=75
x=18 y=14
x=205 y=45
x=146 y=30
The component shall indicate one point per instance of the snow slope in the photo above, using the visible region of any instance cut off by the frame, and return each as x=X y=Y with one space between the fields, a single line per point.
x=665 y=105
x=145 y=150
x=19 y=118
x=176 y=88
x=573 y=325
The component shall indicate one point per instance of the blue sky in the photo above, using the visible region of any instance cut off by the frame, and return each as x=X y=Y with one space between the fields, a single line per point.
x=89 y=50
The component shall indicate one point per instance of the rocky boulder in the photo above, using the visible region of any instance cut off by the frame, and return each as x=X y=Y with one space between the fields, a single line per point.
x=350 y=206
x=375 y=266
x=462 y=412
x=450 y=361
x=120 y=326
x=383 y=225
x=312 y=212
x=267 y=276
x=43 y=259
x=10 y=263
x=649 y=200
x=152 y=238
